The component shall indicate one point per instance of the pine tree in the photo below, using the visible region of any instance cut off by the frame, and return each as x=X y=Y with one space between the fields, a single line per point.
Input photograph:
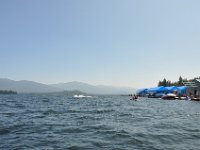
x=180 y=81
x=164 y=82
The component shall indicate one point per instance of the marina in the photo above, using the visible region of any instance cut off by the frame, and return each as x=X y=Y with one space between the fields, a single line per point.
x=189 y=91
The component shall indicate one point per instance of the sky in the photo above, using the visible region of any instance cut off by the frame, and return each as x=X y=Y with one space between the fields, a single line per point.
x=131 y=43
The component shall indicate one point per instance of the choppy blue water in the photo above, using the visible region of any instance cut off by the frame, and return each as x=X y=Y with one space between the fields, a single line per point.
x=103 y=122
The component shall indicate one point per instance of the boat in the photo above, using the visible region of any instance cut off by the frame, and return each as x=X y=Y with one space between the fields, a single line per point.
x=169 y=96
x=81 y=96
x=195 y=99
x=134 y=97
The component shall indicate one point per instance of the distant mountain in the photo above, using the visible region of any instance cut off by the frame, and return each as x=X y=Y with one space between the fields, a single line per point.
x=91 y=89
x=70 y=93
x=24 y=86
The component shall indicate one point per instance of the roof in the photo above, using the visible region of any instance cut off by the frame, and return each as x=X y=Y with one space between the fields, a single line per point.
x=171 y=88
x=140 y=91
x=157 y=89
x=198 y=80
x=189 y=84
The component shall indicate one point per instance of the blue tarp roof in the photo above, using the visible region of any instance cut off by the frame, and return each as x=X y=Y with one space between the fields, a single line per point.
x=160 y=89
x=140 y=91
x=182 y=89
x=171 y=88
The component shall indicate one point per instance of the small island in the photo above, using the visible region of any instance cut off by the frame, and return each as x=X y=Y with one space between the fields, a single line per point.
x=7 y=92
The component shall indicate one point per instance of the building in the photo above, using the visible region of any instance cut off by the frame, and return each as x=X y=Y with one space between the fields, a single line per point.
x=197 y=82
x=193 y=88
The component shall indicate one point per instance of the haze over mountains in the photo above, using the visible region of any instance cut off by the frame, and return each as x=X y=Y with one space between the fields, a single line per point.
x=25 y=86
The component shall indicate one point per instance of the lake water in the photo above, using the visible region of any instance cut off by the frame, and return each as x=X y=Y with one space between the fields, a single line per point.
x=47 y=121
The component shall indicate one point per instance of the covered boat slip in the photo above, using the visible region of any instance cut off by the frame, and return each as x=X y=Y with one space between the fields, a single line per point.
x=189 y=89
x=162 y=90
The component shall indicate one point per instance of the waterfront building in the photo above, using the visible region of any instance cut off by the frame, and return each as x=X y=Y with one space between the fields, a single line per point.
x=193 y=88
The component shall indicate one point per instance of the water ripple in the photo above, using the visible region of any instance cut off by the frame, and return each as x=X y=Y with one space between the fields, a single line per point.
x=49 y=122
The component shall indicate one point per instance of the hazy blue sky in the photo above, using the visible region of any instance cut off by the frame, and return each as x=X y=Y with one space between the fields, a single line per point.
x=113 y=42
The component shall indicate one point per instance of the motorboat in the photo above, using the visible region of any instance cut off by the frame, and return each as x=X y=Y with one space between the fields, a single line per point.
x=134 y=97
x=81 y=96
x=169 y=96
x=195 y=99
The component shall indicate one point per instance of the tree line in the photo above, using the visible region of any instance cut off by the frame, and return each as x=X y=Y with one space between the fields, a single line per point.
x=7 y=92
x=180 y=81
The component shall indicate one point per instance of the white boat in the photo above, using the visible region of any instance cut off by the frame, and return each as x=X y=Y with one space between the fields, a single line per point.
x=169 y=96
x=81 y=96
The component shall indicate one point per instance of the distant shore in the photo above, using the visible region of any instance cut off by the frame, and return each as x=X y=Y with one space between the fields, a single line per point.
x=7 y=92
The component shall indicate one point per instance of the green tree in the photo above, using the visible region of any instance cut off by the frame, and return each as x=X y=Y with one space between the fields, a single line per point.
x=164 y=82
x=180 y=81
x=160 y=83
x=168 y=83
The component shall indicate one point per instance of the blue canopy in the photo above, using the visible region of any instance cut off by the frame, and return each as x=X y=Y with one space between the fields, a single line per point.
x=182 y=89
x=142 y=91
x=160 y=89
x=171 y=89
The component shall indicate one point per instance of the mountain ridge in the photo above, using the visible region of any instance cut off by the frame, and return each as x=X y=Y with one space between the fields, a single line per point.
x=25 y=86
x=93 y=89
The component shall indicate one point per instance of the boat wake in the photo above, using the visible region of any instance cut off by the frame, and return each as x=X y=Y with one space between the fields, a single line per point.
x=81 y=96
